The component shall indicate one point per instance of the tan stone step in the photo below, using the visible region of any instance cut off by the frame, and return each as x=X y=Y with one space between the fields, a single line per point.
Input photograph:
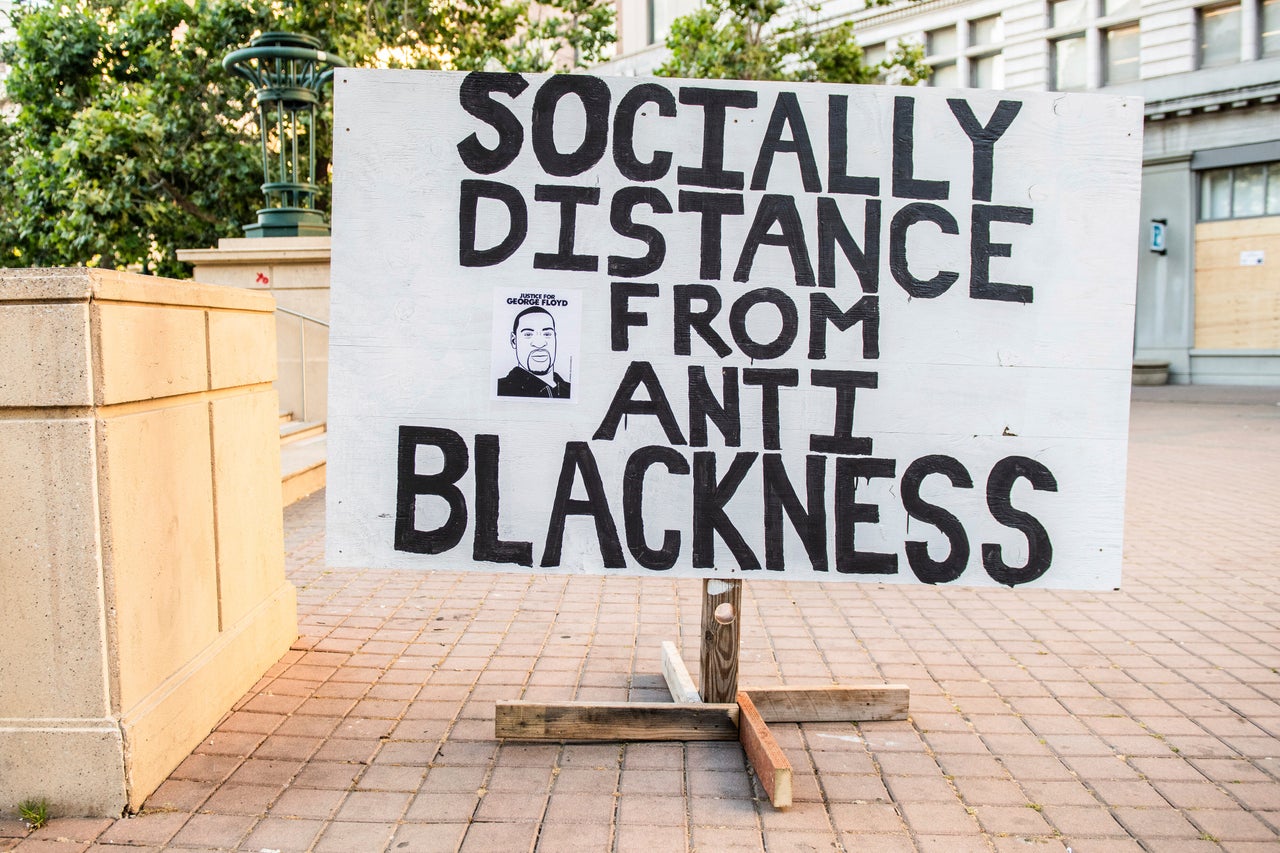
x=300 y=430
x=302 y=467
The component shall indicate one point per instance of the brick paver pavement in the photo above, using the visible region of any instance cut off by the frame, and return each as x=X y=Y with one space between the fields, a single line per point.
x=1145 y=719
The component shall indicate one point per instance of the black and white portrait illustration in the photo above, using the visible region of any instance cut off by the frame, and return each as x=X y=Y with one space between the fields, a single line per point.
x=538 y=335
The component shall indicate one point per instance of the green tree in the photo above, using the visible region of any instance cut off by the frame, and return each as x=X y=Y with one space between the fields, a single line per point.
x=125 y=140
x=125 y=145
x=751 y=40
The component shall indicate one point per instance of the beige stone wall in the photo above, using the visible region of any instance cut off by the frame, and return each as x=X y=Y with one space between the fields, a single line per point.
x=141 y=550
x=295 y=270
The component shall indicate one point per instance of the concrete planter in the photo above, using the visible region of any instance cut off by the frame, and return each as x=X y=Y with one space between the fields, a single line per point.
x=1150 y=371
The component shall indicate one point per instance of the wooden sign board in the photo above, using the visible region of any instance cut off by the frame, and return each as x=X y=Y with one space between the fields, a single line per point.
x=723 y=329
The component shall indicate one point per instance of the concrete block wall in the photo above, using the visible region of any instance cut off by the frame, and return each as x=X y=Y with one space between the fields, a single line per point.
x=141 y=548
x=295 y=270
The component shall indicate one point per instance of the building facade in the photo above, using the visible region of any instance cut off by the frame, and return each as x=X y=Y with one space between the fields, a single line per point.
x=1208 y=298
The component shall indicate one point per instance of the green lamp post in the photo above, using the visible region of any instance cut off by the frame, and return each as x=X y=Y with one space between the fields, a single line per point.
x=288 y=72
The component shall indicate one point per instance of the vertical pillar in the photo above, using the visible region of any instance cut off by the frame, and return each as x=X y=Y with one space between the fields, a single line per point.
x=721 y=631
x=1250 y=30
x=141 y=543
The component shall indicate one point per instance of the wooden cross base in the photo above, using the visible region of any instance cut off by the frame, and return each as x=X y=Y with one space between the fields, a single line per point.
x=744 y=719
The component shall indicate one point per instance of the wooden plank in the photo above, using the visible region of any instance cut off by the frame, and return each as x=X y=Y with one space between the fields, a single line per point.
x=679 y=681
x=1228 y=229
x=1236 y=306
x=766 y=757
x=860 y=703
x=620 y=721
x=1237 y=310
x=1224 y=255
x=720 y=639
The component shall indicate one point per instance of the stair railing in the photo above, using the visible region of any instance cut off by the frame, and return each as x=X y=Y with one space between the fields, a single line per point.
x=303 y=320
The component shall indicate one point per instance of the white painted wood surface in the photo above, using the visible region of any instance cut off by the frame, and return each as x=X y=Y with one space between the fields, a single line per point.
x=417 y=338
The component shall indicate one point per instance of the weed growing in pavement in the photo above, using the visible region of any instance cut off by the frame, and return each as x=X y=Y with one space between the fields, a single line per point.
x=34 y=813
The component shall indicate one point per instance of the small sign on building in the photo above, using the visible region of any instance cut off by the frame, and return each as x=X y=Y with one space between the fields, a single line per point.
x=1159 y=227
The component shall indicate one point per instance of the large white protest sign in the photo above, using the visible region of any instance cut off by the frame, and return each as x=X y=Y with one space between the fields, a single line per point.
x=709 y=328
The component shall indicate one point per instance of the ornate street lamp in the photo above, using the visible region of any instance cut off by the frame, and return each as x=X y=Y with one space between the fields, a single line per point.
x=288 y=72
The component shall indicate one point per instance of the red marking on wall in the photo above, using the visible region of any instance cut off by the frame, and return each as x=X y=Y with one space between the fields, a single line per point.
x=262 y=279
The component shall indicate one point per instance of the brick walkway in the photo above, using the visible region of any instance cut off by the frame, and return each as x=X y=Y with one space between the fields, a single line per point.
x=1146 y=719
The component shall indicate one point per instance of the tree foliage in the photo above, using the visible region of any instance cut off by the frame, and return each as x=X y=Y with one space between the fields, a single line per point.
x=755 y=40
x=123 y=139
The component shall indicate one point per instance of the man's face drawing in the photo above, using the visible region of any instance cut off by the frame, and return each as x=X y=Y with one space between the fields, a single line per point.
x=534 y=341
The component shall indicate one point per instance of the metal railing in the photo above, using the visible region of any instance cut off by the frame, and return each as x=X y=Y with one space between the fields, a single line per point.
x=305 y=414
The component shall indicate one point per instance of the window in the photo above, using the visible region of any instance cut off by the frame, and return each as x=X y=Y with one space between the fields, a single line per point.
x=1068 y=55
x=1215 y=194
x=986 y=72
x=1114 y=8
x=873 y=55
x=967 y=54
x=1270 y=28
x=946 y=76
x=1094 y=43
x=986 y=66
x=1249 y=191
x=1068 y=58
x=1219 y=35
x=1240 y=191
x=1068 y=13
x=942 y=41
x=941 y=46
x=986 y=31
x=1121 y=60
x=661 y=14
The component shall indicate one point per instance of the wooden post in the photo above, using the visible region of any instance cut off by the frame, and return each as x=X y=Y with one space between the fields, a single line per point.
x=721 y=628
